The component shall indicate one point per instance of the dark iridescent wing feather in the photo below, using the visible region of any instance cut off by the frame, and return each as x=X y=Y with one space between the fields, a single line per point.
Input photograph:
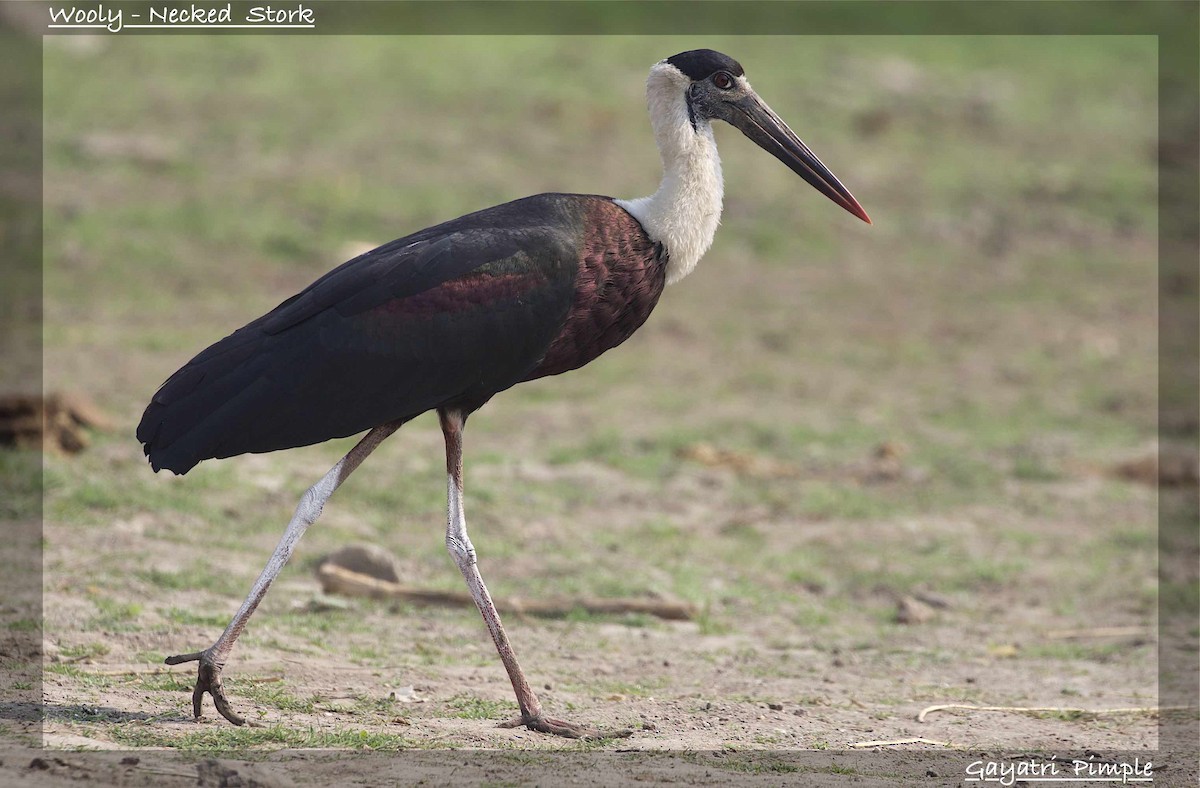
x=457 y=312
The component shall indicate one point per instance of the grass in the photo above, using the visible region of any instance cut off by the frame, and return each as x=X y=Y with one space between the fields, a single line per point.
x=1081 y=652
x=231 y=739
x=199 y=576
x=188 y=618
x=750 y=764
x=21 y=476
x=115 y=614
x=83 y=652
x=167 y=681
x=275 y=694
x=81 y=677
x=469 y=707
x=997 y=324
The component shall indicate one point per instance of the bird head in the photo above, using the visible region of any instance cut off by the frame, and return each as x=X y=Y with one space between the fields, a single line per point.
x=713 y=86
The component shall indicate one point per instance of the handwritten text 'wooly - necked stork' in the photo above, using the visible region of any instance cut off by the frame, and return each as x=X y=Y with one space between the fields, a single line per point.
x=448 y=317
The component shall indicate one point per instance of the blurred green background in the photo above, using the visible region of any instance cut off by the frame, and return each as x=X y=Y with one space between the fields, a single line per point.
x=824 y=418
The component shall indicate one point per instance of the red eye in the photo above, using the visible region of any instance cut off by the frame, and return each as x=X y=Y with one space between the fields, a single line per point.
x=722 y=80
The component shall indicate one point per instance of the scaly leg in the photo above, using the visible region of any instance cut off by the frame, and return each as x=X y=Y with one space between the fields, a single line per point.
x=463 y=553
x=212 y=659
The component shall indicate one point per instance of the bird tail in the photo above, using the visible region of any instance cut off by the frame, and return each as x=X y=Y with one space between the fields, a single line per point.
x=225 y=401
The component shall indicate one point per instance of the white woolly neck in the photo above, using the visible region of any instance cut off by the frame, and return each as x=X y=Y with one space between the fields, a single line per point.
x=684 y=213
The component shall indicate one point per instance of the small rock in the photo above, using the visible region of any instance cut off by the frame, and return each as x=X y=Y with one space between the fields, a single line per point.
x=800 y=712
x=365 y=559
x=1171 y=466
x=404 y=695
x=130 y=760
x=886 y=463
x=933 y=600
x=910 y=610
x=775 y=706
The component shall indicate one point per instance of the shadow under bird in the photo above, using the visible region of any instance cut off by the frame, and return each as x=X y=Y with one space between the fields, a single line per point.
x=448 y=317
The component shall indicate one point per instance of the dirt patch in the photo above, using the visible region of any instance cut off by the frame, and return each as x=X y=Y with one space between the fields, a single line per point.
x=55 y=422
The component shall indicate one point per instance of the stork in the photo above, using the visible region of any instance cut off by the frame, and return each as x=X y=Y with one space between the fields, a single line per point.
x=448 y=317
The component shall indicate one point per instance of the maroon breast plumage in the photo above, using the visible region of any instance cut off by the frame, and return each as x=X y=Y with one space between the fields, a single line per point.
x=622 y=272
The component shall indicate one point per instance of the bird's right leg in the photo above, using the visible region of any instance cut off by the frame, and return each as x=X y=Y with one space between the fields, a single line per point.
x=212 y=659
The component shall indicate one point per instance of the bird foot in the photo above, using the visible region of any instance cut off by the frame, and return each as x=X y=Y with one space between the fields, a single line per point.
x=544 y=724
x=208 y=680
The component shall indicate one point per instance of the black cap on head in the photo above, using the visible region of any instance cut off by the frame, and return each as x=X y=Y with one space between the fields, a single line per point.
x=702 y=63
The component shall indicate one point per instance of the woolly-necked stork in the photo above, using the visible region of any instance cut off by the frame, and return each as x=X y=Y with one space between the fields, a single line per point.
x=448 y=317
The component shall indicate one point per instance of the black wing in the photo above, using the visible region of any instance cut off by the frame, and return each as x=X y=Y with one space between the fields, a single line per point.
x=454 y=313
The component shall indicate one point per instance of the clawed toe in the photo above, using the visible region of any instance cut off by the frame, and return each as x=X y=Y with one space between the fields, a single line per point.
x=543 y=724
x=208 y=679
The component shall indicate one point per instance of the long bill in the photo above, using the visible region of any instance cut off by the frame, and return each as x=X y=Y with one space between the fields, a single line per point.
x=760 y=123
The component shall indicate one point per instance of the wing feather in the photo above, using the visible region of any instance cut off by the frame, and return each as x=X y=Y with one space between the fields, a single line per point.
x=457 y=312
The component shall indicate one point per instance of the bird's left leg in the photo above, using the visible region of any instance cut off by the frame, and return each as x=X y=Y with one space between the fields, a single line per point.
x=212 y=659
x=463 y=552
